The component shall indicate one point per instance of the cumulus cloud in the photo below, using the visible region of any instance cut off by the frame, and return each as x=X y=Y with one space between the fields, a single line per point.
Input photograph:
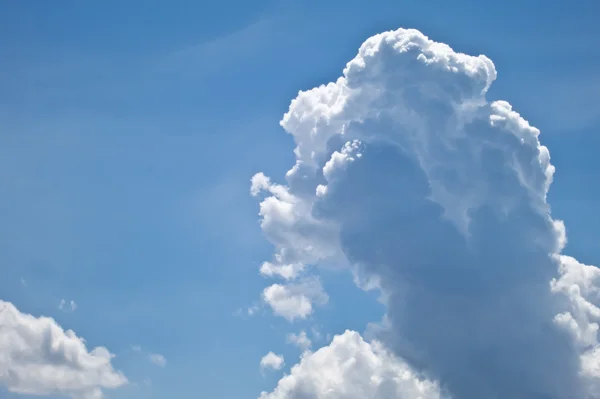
x=38 y=357
x=301 y=340
x=271 y=361
x=351 y=368
x=297 y=300
x=428 y=192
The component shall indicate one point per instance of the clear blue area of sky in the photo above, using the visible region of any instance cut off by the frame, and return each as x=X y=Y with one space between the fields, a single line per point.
x=129 y=131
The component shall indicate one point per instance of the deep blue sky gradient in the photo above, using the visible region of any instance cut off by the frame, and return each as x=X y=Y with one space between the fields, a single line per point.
x=129 y=132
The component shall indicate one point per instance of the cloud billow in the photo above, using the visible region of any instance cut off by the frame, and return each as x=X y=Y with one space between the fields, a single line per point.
x=38 y=357
x=437 y=197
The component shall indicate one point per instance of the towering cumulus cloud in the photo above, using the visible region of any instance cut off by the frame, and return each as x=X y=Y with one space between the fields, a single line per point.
x=408 y=176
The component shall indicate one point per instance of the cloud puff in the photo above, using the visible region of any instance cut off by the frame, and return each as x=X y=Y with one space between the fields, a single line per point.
x=271 y=361
x=350 y=368
x=301 y=340
x=433 y=195
x=297 y=300
x=38 y=357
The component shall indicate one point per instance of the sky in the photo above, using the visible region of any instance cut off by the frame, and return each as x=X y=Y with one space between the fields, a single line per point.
x=144 y=158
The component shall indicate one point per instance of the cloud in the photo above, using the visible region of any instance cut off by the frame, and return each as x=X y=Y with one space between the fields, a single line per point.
x=287 y=221
x=271 y=361
x=297 y=300
x=301 y=340
x=154 y=358
x=251 y=311
x=38 y=357
x=406 y=174
x=351 y=368
x=157 y=359
x=286 y=271
x=67 y=305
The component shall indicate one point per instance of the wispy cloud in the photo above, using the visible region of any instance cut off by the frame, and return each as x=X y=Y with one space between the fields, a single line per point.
x=157 y=359
x=67 y=306
x=301 y=340
x=154 y=358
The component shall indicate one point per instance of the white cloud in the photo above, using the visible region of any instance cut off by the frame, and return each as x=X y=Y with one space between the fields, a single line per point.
x=38 y=357
x=296 y=300
x=65 y=305
x=350 y=368
x=445 y=212
x=287 y=221
x=301 y=340
x=286 y=271
x=339 y=160
x=157 y=359
x=271 y=361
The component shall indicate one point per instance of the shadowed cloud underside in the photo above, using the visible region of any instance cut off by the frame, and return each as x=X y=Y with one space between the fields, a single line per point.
x=406 y=174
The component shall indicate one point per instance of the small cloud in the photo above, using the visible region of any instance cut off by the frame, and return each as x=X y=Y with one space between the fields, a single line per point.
x=67 y=306
x=287 y=271
x=247 y=312
x=295 y=301
x=271 y=361
x=23 y=282
x=301 y=340
x=157 y=359
x=252 y=310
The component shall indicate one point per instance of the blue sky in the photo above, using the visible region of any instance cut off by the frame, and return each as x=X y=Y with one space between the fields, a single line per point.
x=129 y=132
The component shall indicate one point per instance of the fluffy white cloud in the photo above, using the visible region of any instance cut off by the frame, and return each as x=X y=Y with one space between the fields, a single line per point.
x=301 y=340
x=157 y=359
x=38 y=357
x=287 y=221
x=296 y=300
x=435 y=196
x=271 y=361
x=350 y=368
x=286 y=271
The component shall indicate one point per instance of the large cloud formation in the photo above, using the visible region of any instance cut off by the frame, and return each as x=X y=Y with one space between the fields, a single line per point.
x=38 y=357
x=407 y=175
